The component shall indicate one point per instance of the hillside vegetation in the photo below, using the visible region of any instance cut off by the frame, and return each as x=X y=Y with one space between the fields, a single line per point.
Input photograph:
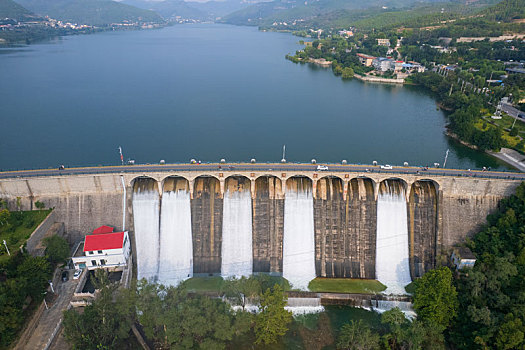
x=10 y=9
x=91 y=12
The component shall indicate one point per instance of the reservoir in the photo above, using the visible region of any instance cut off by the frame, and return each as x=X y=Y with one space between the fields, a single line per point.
x=205 y=91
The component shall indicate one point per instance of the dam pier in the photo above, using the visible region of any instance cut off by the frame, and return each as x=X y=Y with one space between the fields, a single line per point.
x=283 y=219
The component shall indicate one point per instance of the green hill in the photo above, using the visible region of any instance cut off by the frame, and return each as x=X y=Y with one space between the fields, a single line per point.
x=506 y=11
x=91 y=12
x=10 y=9
x=283 y=10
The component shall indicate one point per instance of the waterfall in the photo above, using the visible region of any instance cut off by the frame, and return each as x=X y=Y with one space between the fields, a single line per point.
x=237 y=255
x=385 y=305
x=299 y=241
x=302 y=306
x=176 y=247
x=146 y=222
x=392 y=262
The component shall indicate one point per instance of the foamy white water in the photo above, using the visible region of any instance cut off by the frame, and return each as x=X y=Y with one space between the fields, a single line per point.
x=176 y=247
x=392 y=264
x=146 y=222
x=237 y=255
x=405 y=306
x=299 y=240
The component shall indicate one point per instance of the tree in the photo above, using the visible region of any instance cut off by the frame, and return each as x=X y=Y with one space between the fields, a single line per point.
x=435 y=298
x=348 y=73
x=39 y=205
x=57 y=248
x=394 y=319
x=272 y=320
x=105 y=324
x=357 y=336
x=239 y=291
x=176 y=319
x=35 y=272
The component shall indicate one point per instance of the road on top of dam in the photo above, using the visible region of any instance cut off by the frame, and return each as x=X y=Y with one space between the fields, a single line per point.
x=261 y=167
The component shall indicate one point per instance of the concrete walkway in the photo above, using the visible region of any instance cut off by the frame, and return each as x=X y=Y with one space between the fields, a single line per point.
x=511 y=157
x=50 y=321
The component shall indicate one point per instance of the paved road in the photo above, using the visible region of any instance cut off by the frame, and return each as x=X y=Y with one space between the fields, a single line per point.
x=513 y=112
x=246 y=167
x=51 y=318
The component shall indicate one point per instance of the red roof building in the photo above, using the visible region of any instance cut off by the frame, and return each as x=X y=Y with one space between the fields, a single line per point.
x=103 y=229
x=114 y=240
x=103 y=249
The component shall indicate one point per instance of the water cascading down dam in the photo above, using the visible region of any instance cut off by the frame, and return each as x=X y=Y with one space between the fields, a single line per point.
x=146 y=221
x=392 y=257
x=176 y=243
x=298 y=240
x=237 y=254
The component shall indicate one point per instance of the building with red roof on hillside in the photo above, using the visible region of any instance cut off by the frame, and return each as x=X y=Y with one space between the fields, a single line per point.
x=103 y=249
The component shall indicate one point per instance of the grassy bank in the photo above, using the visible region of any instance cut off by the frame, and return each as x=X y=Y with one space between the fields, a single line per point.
x=346 y=285
x=18 y=229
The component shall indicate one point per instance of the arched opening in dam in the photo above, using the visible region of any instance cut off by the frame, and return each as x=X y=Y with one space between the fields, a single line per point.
x=176 y=243
x=422 y=226
x=206 y=222
x=268 y=225
x=392 y=257
x=146 y=210
x=237 y=254
x=299 y=240
x=330 y=228
x=361 y=229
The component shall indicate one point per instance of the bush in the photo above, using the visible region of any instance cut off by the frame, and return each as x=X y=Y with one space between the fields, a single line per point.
x=57 y=248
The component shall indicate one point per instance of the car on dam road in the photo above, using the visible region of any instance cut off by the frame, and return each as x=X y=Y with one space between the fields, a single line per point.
x=322 y=167
x=386 y=167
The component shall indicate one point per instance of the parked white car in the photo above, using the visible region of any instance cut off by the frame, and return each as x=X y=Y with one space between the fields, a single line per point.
x=322 y=167
x=77 y=274
x=386 y=167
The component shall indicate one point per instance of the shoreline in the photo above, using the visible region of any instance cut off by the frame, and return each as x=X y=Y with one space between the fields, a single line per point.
x=507 y=155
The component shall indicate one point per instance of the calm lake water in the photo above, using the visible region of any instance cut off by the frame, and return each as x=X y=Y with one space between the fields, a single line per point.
x=207 y=92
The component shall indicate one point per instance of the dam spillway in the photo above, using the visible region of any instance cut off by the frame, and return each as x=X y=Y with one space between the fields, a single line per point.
x=146 y=218
x=176 y=243
x=342 y=233
x=237 y=254
x=392 y=258
x=299 y=241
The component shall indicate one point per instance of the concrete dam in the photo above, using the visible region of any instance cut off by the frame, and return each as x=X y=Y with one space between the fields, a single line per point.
x=300 y=224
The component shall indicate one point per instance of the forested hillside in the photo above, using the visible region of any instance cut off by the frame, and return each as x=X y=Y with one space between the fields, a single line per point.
x=10 y=9
x=92 y=12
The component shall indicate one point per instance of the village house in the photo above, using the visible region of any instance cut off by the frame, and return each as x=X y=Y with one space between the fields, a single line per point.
x=103 y=249
x=382 y=64
x=365 y=60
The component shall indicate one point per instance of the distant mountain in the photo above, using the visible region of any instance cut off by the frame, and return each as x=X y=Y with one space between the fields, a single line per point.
x=12 y=10
x=220 y=8
x=169 y=9
x=91 y=12
x=306 y=10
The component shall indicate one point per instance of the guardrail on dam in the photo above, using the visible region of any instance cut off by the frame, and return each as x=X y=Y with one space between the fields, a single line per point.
x=443 y=207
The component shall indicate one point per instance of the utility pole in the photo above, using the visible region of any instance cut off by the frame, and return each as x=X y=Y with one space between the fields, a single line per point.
x=6 y=247
x=283 y=160
x=446 y=157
